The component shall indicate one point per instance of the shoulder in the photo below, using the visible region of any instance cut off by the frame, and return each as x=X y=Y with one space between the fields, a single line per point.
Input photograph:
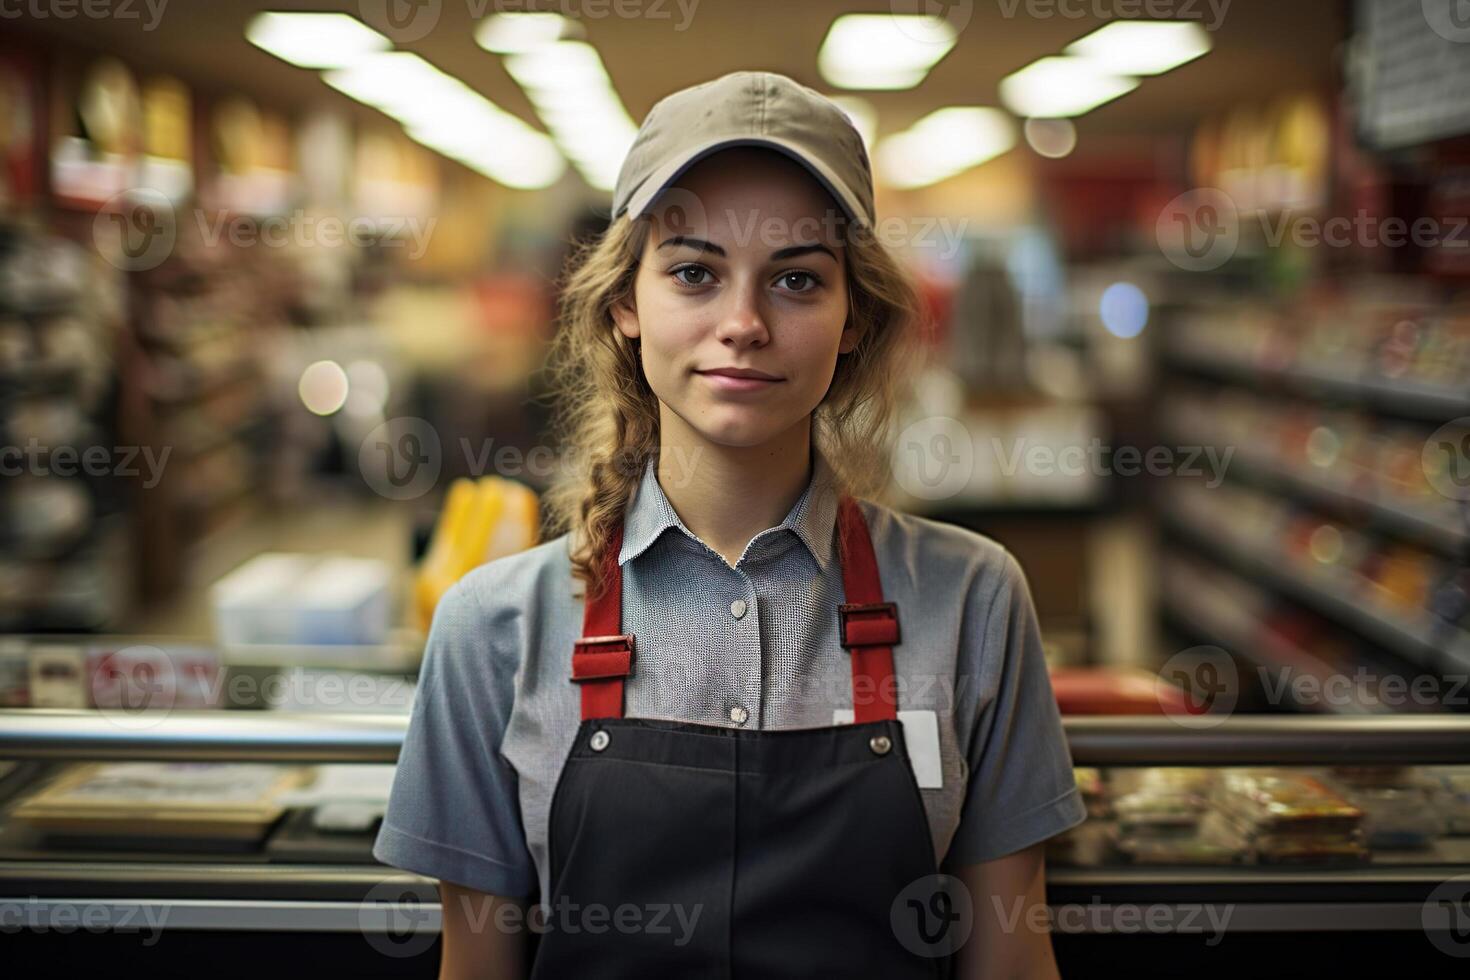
x=915 y=551
x=513 y=584
x=492 y=604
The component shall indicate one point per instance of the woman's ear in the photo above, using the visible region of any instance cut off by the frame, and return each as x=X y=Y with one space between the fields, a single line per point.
x=850 y=337
x=625 y=317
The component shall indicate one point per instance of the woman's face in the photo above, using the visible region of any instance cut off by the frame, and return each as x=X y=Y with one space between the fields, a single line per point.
x=742 y=270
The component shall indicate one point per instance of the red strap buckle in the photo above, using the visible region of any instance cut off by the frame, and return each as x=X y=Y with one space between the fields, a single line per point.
x=868 y=624
x=601 y=657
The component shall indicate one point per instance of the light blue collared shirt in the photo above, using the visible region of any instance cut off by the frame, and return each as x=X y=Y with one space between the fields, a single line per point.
x=753 y=645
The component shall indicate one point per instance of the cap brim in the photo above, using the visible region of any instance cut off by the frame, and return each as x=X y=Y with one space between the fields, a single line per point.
x=673 y=169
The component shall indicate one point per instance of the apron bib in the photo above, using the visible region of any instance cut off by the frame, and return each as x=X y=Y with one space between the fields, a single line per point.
x=686 y=850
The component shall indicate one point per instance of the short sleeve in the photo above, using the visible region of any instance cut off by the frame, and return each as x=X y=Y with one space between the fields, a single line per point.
x=1021 y=789
x=454 y=809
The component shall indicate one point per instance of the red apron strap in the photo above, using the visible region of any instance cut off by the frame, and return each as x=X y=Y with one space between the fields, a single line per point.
x=868 y=626
x=604 y=654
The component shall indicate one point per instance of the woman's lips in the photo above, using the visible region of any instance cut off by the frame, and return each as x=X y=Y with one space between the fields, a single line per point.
x=726 y=382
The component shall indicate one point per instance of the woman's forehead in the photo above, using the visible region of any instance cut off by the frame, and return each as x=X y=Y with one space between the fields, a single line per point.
x=749 y=196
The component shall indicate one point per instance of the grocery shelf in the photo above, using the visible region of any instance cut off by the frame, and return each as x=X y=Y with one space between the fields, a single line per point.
x=1424 y=640
x=1242 y=634
x=1449 y=539
x=250 y=736
x=1405 y=399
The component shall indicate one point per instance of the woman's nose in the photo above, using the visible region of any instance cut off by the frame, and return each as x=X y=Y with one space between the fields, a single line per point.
x=743 y=324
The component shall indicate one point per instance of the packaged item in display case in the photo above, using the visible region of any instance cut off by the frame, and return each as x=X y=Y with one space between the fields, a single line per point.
x=163 y=805
x=1290 y=817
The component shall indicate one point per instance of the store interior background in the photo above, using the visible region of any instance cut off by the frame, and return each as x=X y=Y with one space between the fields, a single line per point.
x=1180 y=359
x=261 y=354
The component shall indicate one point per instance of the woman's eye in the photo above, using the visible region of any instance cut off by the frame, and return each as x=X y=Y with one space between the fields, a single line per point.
x=690 y=275
x=798 y=282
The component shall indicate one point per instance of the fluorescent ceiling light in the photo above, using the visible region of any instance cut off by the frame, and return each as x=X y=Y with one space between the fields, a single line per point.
x=575 y=98
x=392 y=80
x=315 y=40
x=883 y=51
x=446 y=115
x=944 y=143
x=1057 y=87
x=518 y=32
x=1143 y=47
x=559 y=67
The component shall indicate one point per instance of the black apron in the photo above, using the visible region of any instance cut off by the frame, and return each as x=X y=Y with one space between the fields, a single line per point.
x=686 y=850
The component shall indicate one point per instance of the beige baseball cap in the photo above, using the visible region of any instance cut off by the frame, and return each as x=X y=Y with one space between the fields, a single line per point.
x=747 y=108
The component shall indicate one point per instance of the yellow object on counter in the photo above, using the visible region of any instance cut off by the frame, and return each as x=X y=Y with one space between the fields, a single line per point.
x=482 y=520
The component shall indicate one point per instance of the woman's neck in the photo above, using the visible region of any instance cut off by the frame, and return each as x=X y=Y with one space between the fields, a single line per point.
x=728 y=494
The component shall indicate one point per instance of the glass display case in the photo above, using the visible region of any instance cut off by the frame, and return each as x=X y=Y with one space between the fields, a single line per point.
x=1217 y=849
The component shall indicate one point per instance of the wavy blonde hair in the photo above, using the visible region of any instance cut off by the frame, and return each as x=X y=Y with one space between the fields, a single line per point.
x=607 y=416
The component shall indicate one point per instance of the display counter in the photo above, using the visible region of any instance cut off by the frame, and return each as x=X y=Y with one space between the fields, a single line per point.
x=1135 y=873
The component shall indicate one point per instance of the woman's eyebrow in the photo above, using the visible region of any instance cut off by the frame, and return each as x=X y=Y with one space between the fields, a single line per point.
x=795 y=250
x=695 y=243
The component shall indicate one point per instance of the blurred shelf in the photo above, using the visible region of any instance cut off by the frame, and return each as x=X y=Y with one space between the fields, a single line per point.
x=1406 y=399
x=1424 y=527
x=1424 y=640
x=1188 y=598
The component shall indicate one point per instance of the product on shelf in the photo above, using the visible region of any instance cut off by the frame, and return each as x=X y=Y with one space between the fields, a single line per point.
x=168 y=805
x=1290 y=817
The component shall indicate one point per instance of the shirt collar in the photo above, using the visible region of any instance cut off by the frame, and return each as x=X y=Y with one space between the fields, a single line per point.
x=812 y=518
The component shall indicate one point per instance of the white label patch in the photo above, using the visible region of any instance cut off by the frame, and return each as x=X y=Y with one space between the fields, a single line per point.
x=921 y=735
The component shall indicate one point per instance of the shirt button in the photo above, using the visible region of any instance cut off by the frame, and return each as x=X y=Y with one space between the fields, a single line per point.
x=737 y=608
x=739 y=715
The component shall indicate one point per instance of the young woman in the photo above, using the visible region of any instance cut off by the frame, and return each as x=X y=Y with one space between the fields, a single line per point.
x=736 y=721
